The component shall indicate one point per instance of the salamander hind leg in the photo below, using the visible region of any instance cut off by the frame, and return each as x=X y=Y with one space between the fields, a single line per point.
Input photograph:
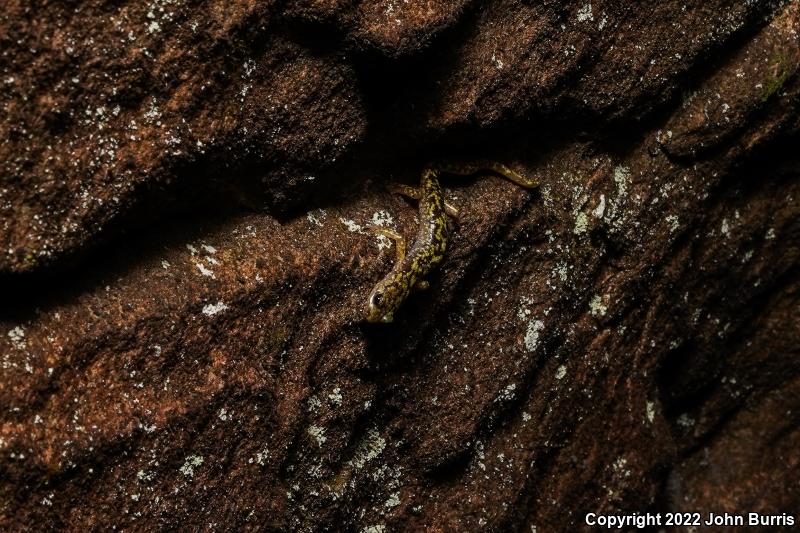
x=519 y=179
x=492 y=166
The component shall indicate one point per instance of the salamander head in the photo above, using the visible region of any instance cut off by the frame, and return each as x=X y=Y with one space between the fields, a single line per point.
x=384 y=301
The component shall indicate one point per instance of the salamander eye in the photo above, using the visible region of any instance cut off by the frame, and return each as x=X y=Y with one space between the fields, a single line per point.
x=376 y=299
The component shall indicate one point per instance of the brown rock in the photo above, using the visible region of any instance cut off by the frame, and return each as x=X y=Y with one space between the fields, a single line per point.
x=622 y=340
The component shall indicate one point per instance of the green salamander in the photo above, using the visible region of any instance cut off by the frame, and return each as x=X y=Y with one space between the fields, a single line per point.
x=431 y=242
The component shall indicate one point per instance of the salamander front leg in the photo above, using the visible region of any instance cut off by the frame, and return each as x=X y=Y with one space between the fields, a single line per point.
x=415 y=193
x=399 y=240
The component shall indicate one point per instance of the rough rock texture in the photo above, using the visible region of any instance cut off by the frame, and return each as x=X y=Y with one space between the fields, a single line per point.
x=185 y=193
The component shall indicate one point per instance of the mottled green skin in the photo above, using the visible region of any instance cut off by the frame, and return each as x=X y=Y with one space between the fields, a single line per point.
x=427 y=252
x=431 y=242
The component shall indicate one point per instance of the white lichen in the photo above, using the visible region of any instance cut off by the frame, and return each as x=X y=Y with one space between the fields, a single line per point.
x=498 y=63
x=581 y=223
x=685 y=420
x=393 y=501
x=17 y=338
x=532 y=334
x=190 y=463
x=621 y=176
x=314 y=219
x=597 y=307
x=205 y=271
x=508 y=393
x=585 y=13
x=336 y=396
x=382 y=218
x=213 y=309
x=674 y=222
x=351 y=225
x=650 y=411
x=562 y=271
x=725 y=228
x=261 y=457
x=318 y=433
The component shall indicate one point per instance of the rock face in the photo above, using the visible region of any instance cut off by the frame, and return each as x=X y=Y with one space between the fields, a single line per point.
x=186 y=188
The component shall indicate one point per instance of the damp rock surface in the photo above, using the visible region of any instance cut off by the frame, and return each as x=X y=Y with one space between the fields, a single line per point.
x=187 y=190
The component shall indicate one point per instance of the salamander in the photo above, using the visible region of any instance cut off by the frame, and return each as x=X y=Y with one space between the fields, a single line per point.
x=430 y=244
